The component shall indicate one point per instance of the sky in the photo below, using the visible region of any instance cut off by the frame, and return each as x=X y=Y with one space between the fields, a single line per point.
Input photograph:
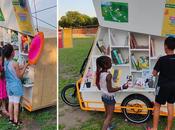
x=83 y=6
x=49 y=16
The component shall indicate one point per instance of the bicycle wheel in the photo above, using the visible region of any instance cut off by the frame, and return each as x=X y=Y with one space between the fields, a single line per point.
x=69 y=95
x=135 y=114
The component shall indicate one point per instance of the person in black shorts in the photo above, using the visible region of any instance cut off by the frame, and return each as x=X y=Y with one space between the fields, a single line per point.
x=165 y=91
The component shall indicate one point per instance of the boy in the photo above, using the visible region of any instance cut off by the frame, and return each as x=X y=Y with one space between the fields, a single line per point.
x=165 y=91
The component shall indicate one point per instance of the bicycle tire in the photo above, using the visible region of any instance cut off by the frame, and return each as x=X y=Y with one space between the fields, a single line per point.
x=134 y=117
x=70 y=98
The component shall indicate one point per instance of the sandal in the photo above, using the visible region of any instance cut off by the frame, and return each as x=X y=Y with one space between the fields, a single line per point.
x=17 y=123
x=10 y=121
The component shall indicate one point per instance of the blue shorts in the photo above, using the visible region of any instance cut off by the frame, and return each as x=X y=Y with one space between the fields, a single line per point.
x=108 y=100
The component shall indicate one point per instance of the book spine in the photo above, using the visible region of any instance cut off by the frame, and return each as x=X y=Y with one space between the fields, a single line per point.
x=113 y=57
x=117 y=57
x=134 y=62
x=152 y=47
x=121 y=58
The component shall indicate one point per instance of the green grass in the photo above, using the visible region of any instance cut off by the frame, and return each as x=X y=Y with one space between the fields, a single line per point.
x=44 y=119
x=70 y=61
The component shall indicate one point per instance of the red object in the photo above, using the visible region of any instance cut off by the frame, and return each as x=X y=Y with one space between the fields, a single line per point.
x=36 y=48
x=60 y=39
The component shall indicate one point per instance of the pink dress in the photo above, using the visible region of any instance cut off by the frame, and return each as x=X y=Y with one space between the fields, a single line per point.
x=3 y=92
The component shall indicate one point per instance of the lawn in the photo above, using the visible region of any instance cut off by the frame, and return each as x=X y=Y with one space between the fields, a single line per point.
x=44 y=119
x=70 y=61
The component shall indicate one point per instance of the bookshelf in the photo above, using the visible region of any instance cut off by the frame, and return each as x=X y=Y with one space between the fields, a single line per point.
x=38 y=93
x=131 y=53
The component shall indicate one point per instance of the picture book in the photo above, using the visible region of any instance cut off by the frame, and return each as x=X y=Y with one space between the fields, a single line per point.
x=116 y=74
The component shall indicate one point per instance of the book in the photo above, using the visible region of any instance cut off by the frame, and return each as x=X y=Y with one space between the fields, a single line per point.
x=113 y=58
x=117 y=57
x=134 y=62
x=120 y=56
x=152 y=47
x=133 y=41
x=116 y=76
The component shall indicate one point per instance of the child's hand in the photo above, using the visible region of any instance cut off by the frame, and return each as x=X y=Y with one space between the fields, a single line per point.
x=125 y=86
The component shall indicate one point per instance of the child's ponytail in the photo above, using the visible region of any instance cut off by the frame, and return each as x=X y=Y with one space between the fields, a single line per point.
x=98 y=73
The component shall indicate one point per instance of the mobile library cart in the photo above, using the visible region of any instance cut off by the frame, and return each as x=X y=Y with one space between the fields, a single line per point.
x=132 y=33
x=16 y=28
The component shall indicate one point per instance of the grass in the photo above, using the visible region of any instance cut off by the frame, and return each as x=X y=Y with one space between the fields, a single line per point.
x=44 y=119
x=70 y=61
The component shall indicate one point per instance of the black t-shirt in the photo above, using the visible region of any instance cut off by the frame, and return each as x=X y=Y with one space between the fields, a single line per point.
x=166 y=66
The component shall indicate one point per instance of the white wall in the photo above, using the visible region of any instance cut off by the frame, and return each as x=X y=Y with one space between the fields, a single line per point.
x=145 y=16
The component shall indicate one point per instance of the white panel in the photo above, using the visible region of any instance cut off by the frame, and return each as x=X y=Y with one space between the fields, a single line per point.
x=9 y=15
x=145 y=16
x=8 y=12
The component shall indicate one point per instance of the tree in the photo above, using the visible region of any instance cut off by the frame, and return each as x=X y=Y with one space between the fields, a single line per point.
x=95 y=21
x=76 y=19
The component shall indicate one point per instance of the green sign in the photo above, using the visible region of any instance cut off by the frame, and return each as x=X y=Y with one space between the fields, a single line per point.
x=1 y=16
x=115 y=11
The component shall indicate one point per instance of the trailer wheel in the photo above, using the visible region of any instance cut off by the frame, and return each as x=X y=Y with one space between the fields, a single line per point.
x=69 y=95
x=136 y=115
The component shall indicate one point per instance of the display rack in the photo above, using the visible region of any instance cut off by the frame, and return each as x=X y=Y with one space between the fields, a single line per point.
x=39 y=88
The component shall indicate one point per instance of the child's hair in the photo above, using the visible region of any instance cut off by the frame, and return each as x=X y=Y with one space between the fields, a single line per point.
x=101 y=63
x=8 y=49
x=170 y=42
x=2 y=70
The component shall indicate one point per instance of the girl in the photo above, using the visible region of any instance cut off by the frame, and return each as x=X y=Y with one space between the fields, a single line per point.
x=104 y=83
x=3 y=93
x=14 y=86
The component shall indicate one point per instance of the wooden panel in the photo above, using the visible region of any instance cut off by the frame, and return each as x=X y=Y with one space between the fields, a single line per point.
x=67 y=38
x=44 y=92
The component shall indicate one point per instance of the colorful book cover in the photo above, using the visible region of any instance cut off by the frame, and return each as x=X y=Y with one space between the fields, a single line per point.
x=116 y=76
x=113 y=58
x=117 y=57
x=169 y=19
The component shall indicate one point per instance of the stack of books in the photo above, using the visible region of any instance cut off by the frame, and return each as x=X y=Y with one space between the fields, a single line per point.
x=117 y=57
x=134 y=44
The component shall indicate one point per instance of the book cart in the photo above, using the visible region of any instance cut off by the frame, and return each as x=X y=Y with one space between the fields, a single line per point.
x=133 y=36
x=39 y=88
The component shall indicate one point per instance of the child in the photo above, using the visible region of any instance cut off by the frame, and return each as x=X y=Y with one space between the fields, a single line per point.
x=3 y=93
x=104 y=83
x=165 y=91
x=14 y=86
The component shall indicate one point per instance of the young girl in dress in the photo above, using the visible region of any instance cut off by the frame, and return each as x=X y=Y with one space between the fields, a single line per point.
x=13 y=74
x=104 y=83
x=3 y=93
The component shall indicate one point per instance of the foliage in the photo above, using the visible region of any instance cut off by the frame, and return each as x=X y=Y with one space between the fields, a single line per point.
x=76 y=19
